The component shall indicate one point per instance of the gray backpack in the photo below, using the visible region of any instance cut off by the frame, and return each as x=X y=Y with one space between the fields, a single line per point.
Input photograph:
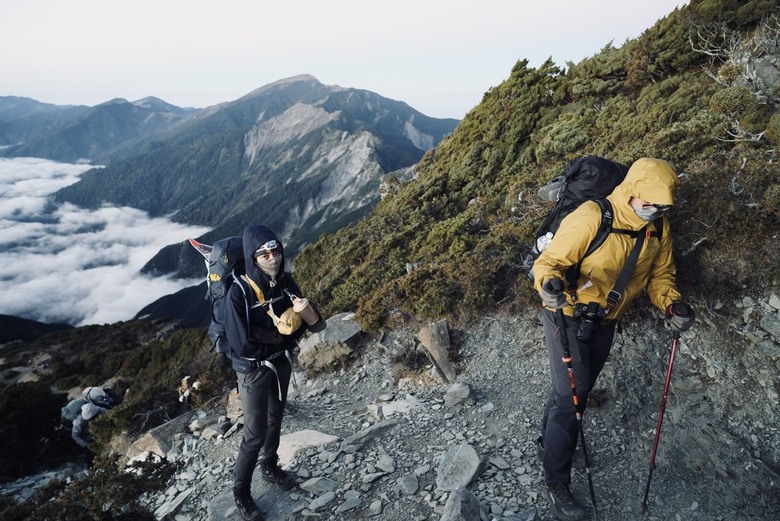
x=70 y=412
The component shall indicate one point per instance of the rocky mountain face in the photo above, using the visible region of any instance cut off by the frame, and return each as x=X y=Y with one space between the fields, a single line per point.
x=301 y=157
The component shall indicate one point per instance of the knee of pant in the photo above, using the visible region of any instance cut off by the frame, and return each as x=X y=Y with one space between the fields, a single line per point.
x=252 y=445
x=564 y=404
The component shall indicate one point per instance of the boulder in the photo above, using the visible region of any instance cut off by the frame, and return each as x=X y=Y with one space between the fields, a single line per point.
x=291 y=444
x=327 y=348
x=435 y=338
x=160 y=439
x=460 y=465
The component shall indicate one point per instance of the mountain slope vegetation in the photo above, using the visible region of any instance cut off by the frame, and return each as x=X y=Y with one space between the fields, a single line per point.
x=78 y=133
x=453 y=241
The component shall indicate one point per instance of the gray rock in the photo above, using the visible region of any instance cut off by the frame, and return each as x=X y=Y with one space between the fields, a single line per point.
x=459 y=393
x=326 y=348
x=499 y=463
x=770 y=323
x=171 y=506
x=319 y=485
x=349 y=504
x=461 y=506
x=375 y=507
x=292 y=444
x=322 y=501
x=460 y=465
x=386 y=463
x=160 y=439
x=527 y=515
x=360 y=439
x=435 y=338
x=408 y=485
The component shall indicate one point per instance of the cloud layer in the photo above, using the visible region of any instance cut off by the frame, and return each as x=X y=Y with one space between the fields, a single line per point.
x=65 y=264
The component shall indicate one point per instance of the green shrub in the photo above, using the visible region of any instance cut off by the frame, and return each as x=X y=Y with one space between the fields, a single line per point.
x=771 y=200
x=731 y=101
x=772 y=133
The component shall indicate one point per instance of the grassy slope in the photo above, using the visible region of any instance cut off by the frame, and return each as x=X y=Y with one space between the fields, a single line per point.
x=466 y=222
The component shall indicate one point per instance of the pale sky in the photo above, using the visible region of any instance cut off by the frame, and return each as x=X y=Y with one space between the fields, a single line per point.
x=438 y=56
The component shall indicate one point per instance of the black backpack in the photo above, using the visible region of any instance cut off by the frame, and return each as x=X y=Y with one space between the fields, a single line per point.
x=589 y=178
x=225 y=263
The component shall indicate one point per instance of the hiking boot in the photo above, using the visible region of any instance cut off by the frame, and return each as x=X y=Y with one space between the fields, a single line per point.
x=562 y=503
x=577 y=460
x=273 y=473
x=246 y=505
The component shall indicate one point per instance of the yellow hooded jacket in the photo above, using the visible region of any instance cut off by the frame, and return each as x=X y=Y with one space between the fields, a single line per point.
x=652 y=180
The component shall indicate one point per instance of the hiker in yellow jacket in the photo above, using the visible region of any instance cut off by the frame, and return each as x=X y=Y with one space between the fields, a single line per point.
x=644 y=196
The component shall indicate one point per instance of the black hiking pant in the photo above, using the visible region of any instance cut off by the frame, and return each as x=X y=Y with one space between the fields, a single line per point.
x=559 y=423
x=263 y=412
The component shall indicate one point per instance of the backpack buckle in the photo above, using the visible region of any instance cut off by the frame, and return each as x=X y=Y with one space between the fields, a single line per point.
x=613 y=297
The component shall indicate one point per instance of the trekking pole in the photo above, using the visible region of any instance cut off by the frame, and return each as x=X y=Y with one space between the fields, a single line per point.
x=662 y=408
x=567 y=360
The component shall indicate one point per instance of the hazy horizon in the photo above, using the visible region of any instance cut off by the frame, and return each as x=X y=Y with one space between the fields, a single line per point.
x=439 y=57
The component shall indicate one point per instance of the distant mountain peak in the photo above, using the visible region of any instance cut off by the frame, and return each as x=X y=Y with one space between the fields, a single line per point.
x=300 y=78
x=156 y=104
x=114 y=101
x=294 y=79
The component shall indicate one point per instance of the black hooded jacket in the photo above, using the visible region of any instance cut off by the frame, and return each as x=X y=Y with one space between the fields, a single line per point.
x=251 y=331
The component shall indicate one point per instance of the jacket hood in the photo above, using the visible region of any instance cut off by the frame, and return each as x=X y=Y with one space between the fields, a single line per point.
x=255 y=235
x=94 y=394
x=90 y=410
x=652 y=180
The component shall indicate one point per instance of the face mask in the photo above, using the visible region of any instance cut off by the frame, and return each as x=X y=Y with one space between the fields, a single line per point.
x=269 y=266
x=647 y=214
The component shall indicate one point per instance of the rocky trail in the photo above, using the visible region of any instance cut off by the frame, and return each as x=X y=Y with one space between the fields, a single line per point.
x=386 y=440
x=395 y=472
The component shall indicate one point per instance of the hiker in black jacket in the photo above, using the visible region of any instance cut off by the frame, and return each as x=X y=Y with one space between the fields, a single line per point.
x=262 y=330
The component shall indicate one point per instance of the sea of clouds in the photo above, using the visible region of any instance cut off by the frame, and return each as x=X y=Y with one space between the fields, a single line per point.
x=63 y=264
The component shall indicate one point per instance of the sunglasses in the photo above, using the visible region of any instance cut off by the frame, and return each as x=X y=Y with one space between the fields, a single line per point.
x=267 y=254
x=659 y=207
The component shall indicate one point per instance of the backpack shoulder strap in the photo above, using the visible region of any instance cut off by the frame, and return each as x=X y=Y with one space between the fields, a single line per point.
x=659 y=227
x=255 y=288
x=616 y=293
x=605 y=228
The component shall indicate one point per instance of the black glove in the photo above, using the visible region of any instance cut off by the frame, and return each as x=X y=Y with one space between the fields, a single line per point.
x=680 y=316
x=552 y=294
